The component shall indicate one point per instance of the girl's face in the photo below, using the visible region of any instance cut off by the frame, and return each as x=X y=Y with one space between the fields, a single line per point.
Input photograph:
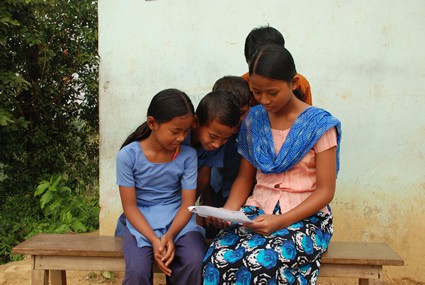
x=171 y=134
x=271 y=93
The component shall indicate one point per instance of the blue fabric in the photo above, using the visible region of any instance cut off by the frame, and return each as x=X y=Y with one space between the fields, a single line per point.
x=288 y=256
x=120 y=227
x=255 y=142
x=158 y=188
x=222 y=178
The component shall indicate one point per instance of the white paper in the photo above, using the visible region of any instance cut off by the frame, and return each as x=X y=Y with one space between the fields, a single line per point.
x=224 y=214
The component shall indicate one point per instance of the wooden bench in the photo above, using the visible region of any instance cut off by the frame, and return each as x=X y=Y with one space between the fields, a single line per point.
x=53 y=254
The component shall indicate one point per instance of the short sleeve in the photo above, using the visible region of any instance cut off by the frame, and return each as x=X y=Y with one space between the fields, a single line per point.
x=124 y=168
x=327 y=140
x=190 y=174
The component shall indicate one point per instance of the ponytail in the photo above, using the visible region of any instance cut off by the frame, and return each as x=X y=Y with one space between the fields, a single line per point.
x=140 y=133
x=165 y=106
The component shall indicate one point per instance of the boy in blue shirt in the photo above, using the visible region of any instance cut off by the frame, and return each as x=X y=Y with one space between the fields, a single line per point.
x=222 y=177
x=216 y=121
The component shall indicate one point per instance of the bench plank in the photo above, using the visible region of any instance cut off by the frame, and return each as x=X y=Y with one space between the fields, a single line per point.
x=60 y=252
x=361 y=253
x=71 y=245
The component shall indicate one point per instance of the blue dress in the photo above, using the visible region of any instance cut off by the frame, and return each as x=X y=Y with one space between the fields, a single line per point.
x=158 y=187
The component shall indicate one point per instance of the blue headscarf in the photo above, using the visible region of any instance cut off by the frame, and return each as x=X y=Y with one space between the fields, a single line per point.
x=255 y=142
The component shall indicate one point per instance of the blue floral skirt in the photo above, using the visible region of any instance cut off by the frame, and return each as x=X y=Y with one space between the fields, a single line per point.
x=288 y=256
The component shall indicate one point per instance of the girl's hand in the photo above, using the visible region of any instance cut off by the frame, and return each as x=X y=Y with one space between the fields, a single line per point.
x=159 y=253
x=265 y=224
x=167 y=249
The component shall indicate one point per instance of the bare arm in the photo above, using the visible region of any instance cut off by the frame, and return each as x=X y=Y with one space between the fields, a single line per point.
x=183 y=214
x=203 y=180
x=242 y=186
x=180 y=220
x=132 y=213
x=139 y=222
x=322 y=196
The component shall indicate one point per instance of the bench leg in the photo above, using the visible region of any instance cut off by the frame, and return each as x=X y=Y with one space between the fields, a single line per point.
x=58 y=277
x=370 y=281
x=39 y=277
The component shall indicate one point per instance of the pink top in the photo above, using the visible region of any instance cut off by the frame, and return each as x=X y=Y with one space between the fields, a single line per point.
x=294 y=186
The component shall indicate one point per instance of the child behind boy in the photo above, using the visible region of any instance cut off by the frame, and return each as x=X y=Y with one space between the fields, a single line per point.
x=261 y=36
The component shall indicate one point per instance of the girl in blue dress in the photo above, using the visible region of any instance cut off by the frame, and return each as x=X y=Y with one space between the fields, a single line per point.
x=157 y=182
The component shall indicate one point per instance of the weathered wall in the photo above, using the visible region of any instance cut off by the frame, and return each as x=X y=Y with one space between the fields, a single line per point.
x=364 y=60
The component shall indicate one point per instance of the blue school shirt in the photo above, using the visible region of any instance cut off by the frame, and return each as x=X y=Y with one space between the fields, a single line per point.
x=222 y=178
x=158 y=187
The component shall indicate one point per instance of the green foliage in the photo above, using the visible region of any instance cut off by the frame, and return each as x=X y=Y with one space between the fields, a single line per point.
x=48 y=117
x=18 y=216
x=65 y=209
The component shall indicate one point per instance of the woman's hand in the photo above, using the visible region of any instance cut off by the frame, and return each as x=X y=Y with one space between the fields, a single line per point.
x=266 y=224
x=160 y=251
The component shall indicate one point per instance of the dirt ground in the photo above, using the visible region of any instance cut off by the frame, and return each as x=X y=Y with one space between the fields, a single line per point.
x=19 y=273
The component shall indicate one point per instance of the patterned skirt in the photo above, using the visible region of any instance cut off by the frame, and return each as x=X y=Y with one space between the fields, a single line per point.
x=288 y=256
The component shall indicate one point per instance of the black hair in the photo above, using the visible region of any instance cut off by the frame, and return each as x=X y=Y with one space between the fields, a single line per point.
x=165 y=106
x=259 y=37
x=275 y=62
x=220 y=106
x=235 y=85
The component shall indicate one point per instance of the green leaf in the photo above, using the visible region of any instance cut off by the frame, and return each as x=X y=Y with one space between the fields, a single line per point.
x=41 y=188
x=67 y=217
x=108 y=275
x=5 y=117
x=46 y=198
x=78 y=226
x=54 y=182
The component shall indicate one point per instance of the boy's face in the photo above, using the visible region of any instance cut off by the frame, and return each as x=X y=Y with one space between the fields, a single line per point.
x=214 y=135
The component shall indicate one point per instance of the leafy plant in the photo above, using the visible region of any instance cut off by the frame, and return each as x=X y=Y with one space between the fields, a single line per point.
x=48 y=117
x=65 y=209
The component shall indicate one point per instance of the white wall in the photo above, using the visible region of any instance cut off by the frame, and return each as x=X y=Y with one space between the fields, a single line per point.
x=364 y=60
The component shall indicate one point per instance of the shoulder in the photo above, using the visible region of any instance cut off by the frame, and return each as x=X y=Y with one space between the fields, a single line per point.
x=187 y=150
x=255 y=111
x=303 y=80
x=245 y=76
x=187 y=157
x=129 y=152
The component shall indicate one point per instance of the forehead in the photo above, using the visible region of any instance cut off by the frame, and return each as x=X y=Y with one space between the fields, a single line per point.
x=261 y=82
x=218 y=129
x=180 y=122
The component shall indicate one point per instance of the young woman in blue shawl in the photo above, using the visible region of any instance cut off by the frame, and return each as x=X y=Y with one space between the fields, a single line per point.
x=291 y=150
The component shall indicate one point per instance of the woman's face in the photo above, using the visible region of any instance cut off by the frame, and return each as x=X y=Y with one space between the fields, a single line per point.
x=271 y=93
